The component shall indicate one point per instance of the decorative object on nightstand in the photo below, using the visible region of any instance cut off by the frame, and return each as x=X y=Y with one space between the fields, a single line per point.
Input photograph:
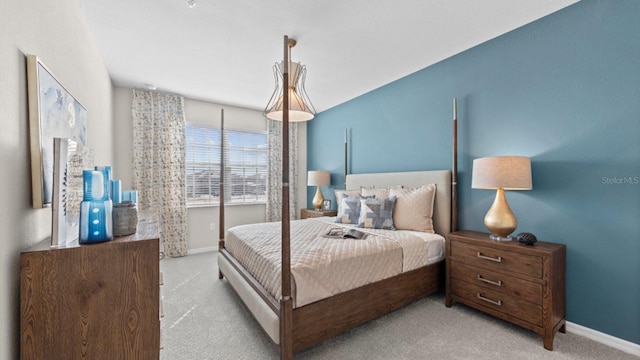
x=501 y=173
x=524 y=285
x=318 y=178
x=526 y=238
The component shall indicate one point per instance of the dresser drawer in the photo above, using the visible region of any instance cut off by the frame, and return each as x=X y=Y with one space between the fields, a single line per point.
x=498 y=282
x=511 y=305
x=496 y=259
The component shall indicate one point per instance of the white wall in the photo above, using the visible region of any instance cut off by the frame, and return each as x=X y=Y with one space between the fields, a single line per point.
x=200 y=218
x=55 y=31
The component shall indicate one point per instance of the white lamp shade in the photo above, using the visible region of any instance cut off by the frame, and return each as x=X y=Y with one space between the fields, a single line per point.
x=300 y=107
x=318 y=178
x=506 y=172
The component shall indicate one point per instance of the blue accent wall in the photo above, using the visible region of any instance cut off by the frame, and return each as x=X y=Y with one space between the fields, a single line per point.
x=564 y=90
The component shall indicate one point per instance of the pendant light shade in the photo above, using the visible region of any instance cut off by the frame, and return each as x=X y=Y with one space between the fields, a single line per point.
x=300 y=107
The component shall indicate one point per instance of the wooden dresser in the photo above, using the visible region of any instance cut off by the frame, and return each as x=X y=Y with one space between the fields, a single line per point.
x=98 y=301
x=521 y=284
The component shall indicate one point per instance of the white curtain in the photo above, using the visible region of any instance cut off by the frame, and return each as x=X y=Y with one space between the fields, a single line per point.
x=274 y=179
x=158 y=164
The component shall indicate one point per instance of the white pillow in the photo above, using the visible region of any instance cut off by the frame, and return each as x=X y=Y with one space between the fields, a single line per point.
x=414 y=208
x=378 y=193
x=373 y=192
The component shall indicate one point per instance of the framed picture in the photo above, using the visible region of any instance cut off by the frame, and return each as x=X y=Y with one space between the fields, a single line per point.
x=53 y=112
x=326 y=205
x=70 y=159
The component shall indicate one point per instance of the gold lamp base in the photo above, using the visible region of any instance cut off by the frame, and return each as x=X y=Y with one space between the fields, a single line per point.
x=500 y=220
x=318 y=199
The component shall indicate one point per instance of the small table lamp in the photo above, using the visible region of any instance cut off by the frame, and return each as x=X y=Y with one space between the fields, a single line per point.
x=318 y=178
x=501 y=173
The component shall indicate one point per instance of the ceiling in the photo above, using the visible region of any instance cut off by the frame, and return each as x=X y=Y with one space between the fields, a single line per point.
x=222 y=51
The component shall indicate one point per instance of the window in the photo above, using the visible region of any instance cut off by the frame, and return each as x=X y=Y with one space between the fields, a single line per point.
x=245 y=166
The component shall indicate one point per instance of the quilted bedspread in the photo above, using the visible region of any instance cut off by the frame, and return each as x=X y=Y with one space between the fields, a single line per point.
x=322 y=267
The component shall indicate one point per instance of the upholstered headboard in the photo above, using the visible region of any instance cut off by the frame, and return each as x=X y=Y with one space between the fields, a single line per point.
x=442 y=179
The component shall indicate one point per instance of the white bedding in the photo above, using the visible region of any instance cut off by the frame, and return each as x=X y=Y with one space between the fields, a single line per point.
x=322 y=267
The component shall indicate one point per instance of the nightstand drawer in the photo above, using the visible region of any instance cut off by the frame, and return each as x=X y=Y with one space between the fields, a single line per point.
x=498 y=282
x=496 y=259
x=511 y=305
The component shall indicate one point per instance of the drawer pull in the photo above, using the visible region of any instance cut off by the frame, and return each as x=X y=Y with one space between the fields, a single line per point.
x=496 y=283
x=499 y=302
x=499 y=259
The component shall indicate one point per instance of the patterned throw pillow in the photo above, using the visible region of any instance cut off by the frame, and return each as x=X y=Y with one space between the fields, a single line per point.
x=339 y=194
x=349 y=209
x=377 y=213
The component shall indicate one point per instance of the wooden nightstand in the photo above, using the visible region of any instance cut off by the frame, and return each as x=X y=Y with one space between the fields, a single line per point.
x=517 y=283
x=312 y=213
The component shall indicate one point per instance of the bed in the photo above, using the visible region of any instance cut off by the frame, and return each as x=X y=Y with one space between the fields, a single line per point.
x=291 y=312
x=322 y=310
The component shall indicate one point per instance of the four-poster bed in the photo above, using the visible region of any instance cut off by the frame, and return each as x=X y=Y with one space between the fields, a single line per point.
x=321 y=319
x=273 y=293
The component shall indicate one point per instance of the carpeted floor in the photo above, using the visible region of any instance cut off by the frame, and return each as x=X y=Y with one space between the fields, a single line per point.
x=204 y=319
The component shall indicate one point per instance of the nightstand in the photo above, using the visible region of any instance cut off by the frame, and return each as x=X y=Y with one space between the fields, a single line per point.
x=312 y=213
x=518 y=283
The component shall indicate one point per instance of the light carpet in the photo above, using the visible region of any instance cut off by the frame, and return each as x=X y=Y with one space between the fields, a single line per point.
x=205 y=319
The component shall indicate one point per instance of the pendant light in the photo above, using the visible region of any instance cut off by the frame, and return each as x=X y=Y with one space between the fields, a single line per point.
x=300 y=107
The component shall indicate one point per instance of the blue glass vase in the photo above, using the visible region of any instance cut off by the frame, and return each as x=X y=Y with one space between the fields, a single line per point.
x=107 y=177
x=96 y=208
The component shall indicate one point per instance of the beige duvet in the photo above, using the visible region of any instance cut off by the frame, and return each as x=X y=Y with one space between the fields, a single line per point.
x=322 y=267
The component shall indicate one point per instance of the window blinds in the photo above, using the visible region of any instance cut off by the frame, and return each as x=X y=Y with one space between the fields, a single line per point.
x=245 y=165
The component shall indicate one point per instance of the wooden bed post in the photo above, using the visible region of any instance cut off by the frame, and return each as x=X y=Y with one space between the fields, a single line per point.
x=454 y=174
x=286 y=302
x=221 y=191
x=346 y=167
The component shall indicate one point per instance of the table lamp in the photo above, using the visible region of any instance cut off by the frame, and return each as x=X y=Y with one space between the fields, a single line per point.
x=501 y=173
x=318 y=178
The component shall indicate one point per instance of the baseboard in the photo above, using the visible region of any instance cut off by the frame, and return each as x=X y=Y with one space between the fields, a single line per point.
x=614 y=342
x=202 y=250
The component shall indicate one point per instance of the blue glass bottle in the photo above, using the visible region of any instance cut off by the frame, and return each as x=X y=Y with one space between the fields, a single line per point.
x=96 y=208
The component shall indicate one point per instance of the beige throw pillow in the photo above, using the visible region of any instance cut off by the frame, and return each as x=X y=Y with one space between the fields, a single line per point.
x=414 y=208
x=373 y=192
x=378 y=193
